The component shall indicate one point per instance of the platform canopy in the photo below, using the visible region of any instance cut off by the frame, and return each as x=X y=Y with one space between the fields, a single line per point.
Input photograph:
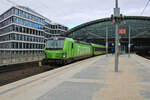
x=139 y=25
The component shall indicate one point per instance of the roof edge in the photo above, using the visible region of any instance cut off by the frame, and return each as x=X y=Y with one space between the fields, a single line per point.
x=104 y=20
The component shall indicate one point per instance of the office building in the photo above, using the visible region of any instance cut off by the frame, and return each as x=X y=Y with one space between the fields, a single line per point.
x=24 y=31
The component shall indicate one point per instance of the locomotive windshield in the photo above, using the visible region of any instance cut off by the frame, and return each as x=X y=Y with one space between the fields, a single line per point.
x=54 y=44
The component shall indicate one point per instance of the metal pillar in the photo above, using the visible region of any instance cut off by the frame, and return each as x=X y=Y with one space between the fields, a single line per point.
x=116 y=48
x=117 y=15
x=116 y=3
x=106 y=41
x=129 y=44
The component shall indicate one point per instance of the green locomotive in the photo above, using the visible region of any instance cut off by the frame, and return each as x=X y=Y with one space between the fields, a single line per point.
x=62 y=50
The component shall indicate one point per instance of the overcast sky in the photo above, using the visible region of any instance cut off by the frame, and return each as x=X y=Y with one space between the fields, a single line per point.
x=75 y=12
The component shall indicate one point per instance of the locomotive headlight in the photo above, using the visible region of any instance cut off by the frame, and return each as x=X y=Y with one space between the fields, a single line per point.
x=64 y=55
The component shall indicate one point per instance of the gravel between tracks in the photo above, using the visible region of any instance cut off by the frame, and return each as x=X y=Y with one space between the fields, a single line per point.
x=27 y=71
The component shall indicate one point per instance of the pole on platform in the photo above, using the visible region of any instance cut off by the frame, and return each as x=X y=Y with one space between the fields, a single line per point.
x=129 y=44
x=106 y=41
x=116 y=49
x=116 y=14
x=116 y=3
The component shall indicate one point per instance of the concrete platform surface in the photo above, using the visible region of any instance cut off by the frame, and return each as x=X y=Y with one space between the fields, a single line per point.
x=90 y=79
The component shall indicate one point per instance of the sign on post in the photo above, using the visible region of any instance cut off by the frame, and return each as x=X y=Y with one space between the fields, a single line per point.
x=122 y=31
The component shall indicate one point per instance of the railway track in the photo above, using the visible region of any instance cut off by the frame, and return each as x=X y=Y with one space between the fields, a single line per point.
x=4 y=69
x=145 y=56
x=10 y=68
x=9 y=74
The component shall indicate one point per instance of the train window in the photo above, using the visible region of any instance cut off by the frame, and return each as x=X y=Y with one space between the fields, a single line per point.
x=55 y=44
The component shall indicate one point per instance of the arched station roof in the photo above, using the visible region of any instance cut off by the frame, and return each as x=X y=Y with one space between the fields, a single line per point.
x=139 y=25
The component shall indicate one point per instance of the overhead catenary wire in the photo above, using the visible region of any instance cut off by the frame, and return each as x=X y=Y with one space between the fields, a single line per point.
x=145 y=7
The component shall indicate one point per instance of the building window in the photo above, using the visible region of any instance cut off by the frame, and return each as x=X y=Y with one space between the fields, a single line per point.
x=32 y=18
x=35 y=25
x=17 y=28
x=24 y=46
x=26 y=15
x=19 y=45
x=36 y=32
x=27 y=45
x=16 y=11
x=30 y=38
x=33 y=32
x=26 y=38
x=13 y=36
x=29 y=16
x=23 y=14
x=26 y=23
x=21 y=37
x=20 y=13
x=12 y=45
x=23 y=29
x=20 y=29
x=14 y=19
x=38 y=26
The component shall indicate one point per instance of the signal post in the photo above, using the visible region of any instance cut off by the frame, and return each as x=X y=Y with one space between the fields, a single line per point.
x=116 y=18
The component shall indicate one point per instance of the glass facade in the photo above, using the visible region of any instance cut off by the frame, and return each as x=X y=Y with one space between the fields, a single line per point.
x=27 y=15
x=27 y=23
x=22 y=45
x=23 y=31
x=5 y=22
x=6 y=29
x=7 y=14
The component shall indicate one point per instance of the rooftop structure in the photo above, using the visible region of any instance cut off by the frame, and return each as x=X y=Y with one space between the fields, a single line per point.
x=95 y=31
x=97 y=28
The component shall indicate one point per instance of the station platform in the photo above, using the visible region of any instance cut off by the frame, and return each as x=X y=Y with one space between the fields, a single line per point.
x=90 y=79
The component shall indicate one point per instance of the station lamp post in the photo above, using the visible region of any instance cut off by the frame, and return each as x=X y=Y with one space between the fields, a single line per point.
x=116 y=18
